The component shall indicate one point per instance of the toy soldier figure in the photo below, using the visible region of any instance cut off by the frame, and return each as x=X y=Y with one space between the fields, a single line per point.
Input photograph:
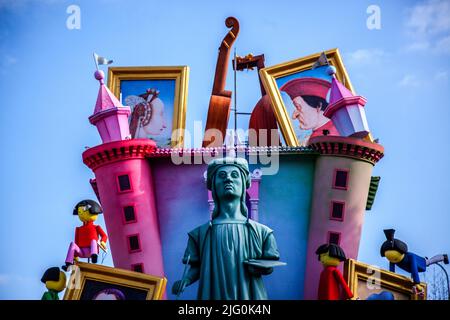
x=229 y=254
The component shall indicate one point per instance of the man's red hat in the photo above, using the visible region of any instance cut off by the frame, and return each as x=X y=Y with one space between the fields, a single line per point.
x=307 y=87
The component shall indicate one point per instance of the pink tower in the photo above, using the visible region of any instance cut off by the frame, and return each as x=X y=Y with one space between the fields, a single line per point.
x=340 y=192
x=125 y=187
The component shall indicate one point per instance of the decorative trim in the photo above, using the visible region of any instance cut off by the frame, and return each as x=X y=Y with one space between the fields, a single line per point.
x=347 y=147
x=122 y=150
x=117 y=151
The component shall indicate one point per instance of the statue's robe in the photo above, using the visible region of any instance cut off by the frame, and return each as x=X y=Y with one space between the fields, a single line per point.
x=219 y=250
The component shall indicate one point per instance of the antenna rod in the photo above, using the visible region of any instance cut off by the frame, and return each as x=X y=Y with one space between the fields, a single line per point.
x=235 y=100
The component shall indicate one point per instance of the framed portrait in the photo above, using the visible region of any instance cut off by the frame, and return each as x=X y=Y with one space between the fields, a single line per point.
x=372 y=283
x=157 y=97
x=96 y=282
x=299 y=93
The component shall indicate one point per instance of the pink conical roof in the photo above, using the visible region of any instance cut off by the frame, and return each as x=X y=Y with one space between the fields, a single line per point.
x=105 y=99
x=338 y=91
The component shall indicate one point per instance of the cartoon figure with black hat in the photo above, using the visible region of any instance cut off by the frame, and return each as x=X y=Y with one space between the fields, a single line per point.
x=396 y=251
x=332 y=285
x=55 y=282
x=86 y=237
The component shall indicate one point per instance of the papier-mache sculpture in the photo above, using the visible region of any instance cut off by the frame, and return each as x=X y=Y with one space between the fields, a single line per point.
x=230 y=253
x=332 y=285
x=87 y=241
x=396 y=251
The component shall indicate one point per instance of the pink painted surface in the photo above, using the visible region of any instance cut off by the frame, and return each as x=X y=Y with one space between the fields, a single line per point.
x=105 y=98
x=110 y=116
x=147 y=226
x=338 y=91
x=346 y=111
x=355 y=198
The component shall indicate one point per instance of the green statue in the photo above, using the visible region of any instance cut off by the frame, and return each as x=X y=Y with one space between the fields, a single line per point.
x=229 y=254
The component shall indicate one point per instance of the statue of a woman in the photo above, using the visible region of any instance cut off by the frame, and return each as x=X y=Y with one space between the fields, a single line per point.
x=219 y=251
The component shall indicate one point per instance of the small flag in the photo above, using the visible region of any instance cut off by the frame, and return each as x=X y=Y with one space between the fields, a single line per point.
x=99 y=60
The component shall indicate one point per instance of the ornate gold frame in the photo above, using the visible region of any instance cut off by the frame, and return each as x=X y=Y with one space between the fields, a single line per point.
x=355 y=271
x=271 y=74
x=88 y=271
x=178 y=73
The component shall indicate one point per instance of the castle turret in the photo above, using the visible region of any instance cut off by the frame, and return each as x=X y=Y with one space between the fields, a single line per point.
x=110 y=116
x=341 y=182
x=124 y=183
x=346 y=110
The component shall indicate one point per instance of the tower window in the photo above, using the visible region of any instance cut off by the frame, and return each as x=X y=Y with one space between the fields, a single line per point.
x=128 y=214
x=340 y=180
x=337 y=210
x=124 y=182
x=334 y=238
x=138 y=267
x=134 y=243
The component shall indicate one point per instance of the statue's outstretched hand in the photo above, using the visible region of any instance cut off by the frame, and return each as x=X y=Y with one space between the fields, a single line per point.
x=179 y=286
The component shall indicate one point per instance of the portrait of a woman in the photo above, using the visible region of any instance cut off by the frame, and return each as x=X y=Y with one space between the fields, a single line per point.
x=147 y=117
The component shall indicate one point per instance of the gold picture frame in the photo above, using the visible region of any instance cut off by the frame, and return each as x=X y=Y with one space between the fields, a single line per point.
x=270 y=75
x=88 y=281
x=361 y=277
x=180 y=76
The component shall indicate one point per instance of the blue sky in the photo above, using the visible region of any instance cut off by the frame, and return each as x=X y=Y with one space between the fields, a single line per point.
x=48 y=93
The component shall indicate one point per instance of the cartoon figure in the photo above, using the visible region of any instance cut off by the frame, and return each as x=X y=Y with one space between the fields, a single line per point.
x=55 y=282
x=396 y=251
x=383 y=295
x=331 y=280
x=230 y=254
x=86 y=237
x=147 y=117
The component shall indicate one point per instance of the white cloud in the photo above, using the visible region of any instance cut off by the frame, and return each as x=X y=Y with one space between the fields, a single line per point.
x=428 y=25
x=418 y=46
x=409 y=80
x=430 y=17
x=365 y=56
